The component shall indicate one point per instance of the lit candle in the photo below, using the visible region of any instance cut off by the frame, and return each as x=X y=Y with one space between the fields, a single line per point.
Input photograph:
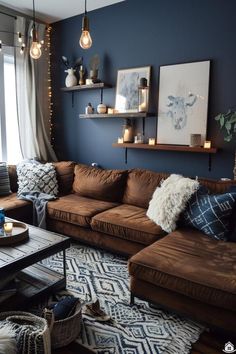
x=207 y=144
x=120 y=140
x=8 y=226
x=151 y=141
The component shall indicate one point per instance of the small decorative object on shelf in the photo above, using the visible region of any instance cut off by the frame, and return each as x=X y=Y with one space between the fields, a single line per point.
x=94 y=65
x=8 y=226
x=195 y=140
x=151 y=141
x=138 y=139
x=71 y=79
x=207 y=144
x=89 y=82
x=81 y=75
x=143 y=91
x=128 y=133
x=89 y=109
x=120 y=140
x=101 y=108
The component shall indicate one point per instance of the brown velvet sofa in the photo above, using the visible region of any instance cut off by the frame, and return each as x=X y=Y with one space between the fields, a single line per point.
x=185 y=271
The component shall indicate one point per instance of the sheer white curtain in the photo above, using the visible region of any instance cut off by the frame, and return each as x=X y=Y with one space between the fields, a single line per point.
x=32 y=97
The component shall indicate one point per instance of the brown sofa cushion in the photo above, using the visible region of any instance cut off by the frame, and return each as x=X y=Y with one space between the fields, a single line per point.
x=75 y=209
x=217 y=187
x=140 y=186
x=127 y=222
x=191 y=264
x=65 y=176
x=100 y=184
x=17 y=209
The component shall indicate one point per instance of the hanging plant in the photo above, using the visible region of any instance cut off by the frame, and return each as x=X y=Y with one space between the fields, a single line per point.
x=227 y=122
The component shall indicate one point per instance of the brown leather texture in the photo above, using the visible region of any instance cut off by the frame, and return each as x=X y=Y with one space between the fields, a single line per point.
x=128 y=222
x=13 y=178
x=94 y=238
x=100 y=184
x=16 y=208
x=77 y=210
x=65 y=176
x=141 y=185
x=217 y=187
x=209 y=314
x=189 y=263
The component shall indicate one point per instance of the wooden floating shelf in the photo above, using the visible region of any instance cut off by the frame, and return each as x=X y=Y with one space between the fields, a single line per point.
x=100 y=85
x=116 y=115
x=166 y=147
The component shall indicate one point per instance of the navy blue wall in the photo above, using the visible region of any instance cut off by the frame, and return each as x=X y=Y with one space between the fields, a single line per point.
x=139 y=33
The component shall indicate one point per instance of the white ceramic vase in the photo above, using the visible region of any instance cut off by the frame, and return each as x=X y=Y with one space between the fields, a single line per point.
x=71 y=79
x=101 y=108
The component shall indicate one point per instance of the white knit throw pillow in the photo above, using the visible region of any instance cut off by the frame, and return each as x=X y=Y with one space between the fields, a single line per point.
x=169 y=200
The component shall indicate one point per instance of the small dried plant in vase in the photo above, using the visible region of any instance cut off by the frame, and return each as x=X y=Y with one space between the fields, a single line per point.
x=227 y=122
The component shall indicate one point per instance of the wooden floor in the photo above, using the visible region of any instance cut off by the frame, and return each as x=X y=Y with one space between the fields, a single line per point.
x=207 y=344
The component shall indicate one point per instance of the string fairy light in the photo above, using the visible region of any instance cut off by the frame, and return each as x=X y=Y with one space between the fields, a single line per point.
x=50 y=104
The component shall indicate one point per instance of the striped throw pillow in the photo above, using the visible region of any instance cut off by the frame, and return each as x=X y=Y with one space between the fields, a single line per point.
x=4 y=180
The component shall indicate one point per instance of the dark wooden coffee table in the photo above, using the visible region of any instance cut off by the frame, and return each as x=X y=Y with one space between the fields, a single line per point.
x=33 y=280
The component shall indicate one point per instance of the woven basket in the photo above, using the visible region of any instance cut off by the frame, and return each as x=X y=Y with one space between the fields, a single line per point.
x=37 y=337
x=65 y=331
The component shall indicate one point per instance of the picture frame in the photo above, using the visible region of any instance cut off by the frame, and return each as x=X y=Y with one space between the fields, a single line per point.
x=127 y=88
x=183 y=102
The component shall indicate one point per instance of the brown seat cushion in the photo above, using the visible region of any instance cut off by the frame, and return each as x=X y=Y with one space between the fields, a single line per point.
x=100 y=184
x=191 y=264
x=11 y=201
x=127 y=222
x=140 y=186
x=76 y=210
x=16 y=208
x=65 y=176
x=217 y=187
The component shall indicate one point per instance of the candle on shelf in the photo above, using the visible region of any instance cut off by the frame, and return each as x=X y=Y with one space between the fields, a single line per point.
x=110 y=110
x=207 y=144
x=8 y=226
x=151 y=141
x=120 y=140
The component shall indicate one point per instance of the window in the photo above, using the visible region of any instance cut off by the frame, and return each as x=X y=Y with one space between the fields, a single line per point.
x=9 y=134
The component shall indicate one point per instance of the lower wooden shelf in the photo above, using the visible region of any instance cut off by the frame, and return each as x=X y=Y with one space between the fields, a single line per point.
x=33 y=282
x=165 y=147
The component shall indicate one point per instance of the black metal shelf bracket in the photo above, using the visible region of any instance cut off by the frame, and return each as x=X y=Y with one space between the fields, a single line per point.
x=209 y=162
x=101 y=95
x=126 y=155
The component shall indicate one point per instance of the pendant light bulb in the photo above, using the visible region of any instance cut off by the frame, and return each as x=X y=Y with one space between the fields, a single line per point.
x=85 y=38
x=35 y=51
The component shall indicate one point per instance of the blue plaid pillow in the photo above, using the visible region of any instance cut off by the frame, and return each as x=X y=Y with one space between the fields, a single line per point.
x=210 y=213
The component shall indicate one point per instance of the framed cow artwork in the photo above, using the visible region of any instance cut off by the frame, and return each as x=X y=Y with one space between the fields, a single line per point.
x=183 y=102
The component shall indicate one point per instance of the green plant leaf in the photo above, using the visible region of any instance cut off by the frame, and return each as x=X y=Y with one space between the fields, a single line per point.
x=222 y=121
x=218 y=117
x=228 y=138
x=233 y=118
x=228 y=126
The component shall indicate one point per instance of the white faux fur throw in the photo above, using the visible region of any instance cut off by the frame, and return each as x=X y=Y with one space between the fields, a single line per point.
x=7 y=341
x=169 y=200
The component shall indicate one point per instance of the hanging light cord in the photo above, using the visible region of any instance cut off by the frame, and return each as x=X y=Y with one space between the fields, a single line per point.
x=33 y=14
x=85 y=6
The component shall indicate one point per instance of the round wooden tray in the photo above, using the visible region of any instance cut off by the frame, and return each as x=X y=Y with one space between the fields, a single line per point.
x=20 y=232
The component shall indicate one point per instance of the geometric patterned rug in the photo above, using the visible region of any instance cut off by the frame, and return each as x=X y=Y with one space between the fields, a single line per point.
x=139 y=329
